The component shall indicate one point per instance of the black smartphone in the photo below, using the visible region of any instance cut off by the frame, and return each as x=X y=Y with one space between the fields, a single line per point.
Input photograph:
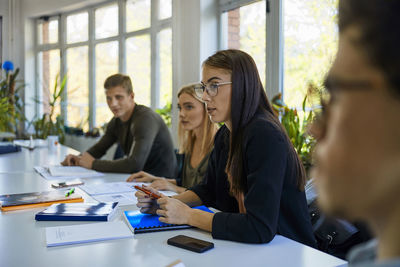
x=67 y=184
x=190 y=243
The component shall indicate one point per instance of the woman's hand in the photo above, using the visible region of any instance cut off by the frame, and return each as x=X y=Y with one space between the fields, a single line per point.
x=173 y=211
x=142 y=177
x=146 y=203
x=164 y=184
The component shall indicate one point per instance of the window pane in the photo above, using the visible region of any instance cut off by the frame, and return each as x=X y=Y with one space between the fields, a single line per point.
x=106 y=21
x=137 y=15
x=106 y=65
x=165 y=9
x=49 y=69
x=48 y=32
x=77 y=28
x=138 y=67
x=310 y=34
x=246 y=31
x=77 y=87
x=165 y=67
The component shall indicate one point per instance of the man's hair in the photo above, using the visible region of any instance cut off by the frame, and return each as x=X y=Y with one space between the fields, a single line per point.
x=119 y=80
x=379 y=23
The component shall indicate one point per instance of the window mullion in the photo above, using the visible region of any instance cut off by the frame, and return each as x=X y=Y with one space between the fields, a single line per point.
x=92 y=70
x=155 y=58
x=121 y=37
x=62 y=37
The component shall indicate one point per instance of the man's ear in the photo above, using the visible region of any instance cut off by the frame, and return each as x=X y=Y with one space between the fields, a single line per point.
x=132 y=95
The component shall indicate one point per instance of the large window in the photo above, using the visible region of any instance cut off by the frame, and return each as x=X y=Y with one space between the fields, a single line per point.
x=309 y=40
x=246 y=31
x=310 y=43
x=133 y=37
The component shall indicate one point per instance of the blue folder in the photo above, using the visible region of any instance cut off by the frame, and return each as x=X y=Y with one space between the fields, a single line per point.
x=78 y=212
x=9 y=149
x=143 y=223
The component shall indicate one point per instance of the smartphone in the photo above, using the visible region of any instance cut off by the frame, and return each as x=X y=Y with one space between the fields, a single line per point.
x=190 y=243
x=67 y=184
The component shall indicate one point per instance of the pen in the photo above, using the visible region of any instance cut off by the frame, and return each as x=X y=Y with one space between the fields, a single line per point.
x=153 y=195
x=70 y=192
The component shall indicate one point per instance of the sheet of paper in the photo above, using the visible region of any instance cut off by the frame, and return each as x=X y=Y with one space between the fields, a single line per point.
x=84 y=233
x=115 y=189
x=109 y=188
x=44 y=171
x=72 y=171
x=123 y=199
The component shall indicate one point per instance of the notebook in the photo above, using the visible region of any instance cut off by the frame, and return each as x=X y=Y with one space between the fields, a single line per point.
x=78 y=212
x=36 y=199
x=84 y=233
x=144 y=223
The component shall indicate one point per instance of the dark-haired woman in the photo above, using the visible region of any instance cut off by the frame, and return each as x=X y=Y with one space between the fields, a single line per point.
x=254 y=175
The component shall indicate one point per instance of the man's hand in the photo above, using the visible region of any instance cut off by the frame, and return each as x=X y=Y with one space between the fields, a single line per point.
x=71 y=160
x=142 y=177
x=86 y=160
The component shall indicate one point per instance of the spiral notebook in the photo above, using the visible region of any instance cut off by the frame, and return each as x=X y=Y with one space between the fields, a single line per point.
x=144 y=223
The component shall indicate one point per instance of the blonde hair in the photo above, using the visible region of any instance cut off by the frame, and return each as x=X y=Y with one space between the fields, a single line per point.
x=187 y=138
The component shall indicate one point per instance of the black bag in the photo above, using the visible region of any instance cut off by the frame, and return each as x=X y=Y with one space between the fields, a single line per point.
x=334 y=236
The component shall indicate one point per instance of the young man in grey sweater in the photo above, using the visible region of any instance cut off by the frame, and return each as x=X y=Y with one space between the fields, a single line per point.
x=140 y=132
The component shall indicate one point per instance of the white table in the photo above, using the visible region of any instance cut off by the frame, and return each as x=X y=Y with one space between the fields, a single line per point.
x=23 y=243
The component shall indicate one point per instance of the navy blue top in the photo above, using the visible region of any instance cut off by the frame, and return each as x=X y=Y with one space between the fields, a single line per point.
x=273 y=202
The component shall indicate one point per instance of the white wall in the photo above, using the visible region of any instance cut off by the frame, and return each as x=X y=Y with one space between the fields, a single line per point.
x=195 y=37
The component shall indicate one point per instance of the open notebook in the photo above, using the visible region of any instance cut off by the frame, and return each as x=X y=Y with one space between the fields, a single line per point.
x=143 y=223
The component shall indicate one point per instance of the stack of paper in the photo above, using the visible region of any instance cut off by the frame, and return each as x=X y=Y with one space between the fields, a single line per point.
x=76 y=234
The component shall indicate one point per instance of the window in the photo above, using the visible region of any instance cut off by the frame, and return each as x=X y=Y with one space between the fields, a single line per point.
x=310 y=43
x=246 y=31
x=309 y=40
x=96 y=44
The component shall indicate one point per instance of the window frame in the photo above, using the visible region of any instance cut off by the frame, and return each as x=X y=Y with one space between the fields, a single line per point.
x=274 y=44
x=156 y=26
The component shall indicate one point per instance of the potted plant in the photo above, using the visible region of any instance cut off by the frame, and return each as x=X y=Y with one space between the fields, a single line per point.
x=296 y=128
x=51 y=124
x=11 y=106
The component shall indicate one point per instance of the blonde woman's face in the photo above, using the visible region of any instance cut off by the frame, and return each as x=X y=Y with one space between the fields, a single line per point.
x=191 y=112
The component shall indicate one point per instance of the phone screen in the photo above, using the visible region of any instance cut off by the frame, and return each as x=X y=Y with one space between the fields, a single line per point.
x=67 y=184
x=190 y=243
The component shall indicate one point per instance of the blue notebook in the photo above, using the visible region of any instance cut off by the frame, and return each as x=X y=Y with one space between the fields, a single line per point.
x=144 y=223
x=78 y=212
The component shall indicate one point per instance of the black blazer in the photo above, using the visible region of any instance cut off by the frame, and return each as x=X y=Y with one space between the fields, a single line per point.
x=274 y=204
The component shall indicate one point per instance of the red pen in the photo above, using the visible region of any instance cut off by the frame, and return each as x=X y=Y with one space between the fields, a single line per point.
x=149 y=193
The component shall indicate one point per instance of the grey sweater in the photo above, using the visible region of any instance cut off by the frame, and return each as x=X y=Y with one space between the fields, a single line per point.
x=145 y=140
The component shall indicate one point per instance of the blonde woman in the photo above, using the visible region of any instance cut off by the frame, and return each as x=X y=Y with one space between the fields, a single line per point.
x=196 y=138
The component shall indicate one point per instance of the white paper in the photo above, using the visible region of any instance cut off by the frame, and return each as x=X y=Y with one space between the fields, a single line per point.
x=109 y=188
x=44 y=171
x=116 y=188
x=84 y=233
x=72 y=171
x=122 y=198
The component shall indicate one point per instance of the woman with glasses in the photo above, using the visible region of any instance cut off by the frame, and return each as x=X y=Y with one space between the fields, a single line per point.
x=254 y=175
x=196 y=139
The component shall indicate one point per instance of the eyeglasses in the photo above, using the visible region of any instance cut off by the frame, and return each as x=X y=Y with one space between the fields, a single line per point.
x=211 y=88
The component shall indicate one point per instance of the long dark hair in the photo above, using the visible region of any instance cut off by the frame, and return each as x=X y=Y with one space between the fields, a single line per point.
x=248 y=97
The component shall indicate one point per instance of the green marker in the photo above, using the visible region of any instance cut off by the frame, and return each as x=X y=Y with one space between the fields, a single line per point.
x=70 y=192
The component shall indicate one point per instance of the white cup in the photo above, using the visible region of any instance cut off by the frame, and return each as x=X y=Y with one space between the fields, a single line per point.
x=52 y=142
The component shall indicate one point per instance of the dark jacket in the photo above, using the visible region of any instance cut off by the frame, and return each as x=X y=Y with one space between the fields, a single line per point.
x=273 y=202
